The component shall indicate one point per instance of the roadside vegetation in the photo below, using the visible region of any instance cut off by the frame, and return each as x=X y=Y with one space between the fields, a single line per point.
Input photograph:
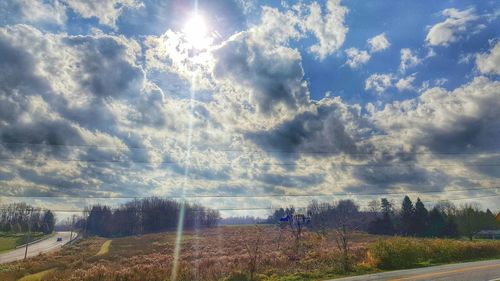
x=17 y=219
x=21 y=217
x=9 y=240
x=404 y=252
x=325 y=240
x=263 y=252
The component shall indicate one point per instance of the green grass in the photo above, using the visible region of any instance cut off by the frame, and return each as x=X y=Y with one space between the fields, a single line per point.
x=401 y=252
x=9 y=241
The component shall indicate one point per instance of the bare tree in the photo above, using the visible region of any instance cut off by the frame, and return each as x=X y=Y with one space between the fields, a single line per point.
x=296 y=223
x=253 y=248
x=344 y=220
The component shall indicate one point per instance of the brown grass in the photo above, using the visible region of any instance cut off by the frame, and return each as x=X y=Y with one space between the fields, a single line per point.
x=220 y=253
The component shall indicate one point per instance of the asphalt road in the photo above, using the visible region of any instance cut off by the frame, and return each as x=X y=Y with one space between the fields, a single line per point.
x=47 y=245
x=470 y=271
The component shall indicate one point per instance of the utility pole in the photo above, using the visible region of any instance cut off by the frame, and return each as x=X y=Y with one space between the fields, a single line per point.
x=29 y=232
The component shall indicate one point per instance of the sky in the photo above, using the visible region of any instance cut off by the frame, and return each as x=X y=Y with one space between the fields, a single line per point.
x=248 y=105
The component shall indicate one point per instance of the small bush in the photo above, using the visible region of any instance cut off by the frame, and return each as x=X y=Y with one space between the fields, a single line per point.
x=237 y=276
x=400 y=252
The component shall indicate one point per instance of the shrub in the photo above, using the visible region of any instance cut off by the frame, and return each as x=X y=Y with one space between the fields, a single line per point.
x=399 y=252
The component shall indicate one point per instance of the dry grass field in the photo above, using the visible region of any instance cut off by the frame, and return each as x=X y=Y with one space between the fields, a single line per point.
x=222 y=253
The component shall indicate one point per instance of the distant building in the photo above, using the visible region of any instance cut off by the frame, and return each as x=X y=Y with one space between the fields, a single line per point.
x=488 y=234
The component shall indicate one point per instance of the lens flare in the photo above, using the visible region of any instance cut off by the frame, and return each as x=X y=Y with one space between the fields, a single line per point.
x=195 y=31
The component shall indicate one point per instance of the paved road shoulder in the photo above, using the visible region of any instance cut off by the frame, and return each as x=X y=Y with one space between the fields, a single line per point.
x=477 y=271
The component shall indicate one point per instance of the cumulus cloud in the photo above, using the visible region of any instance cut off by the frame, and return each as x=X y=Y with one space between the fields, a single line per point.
x=107 y=12
x=356 y=57
x=332 y=127
x=408 y=60
x=379 y=82
x=452 y=28
x=277 y=28
x=326 y=24
x=489 y=63
x=378 y=43
x=33 y=11
x=104 y=114
x=461 y=120
x=59 y=90
x=405 y=84
x=273 y=75
x=329 y=29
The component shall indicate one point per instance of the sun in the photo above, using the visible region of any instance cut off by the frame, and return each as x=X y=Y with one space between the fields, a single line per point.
x=195 y=31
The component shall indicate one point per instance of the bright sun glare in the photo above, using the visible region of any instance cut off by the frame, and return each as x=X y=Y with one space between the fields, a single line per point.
x=195 y=31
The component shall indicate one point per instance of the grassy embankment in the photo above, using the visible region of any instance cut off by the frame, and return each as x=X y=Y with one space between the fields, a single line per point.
x=9 y=241
x=221 y=254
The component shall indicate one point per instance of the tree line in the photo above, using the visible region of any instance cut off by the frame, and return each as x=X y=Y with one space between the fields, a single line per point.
x=384 y=218
x=443 y=220
x=327 y=215
x=236 y=220
x=21 y=217
x=147 y=215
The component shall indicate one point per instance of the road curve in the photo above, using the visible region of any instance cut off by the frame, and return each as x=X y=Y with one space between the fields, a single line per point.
x=46 y=245
x=470 y=271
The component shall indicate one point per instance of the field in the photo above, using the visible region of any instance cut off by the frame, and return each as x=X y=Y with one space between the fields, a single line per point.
x=9 y=241
x=222 y=253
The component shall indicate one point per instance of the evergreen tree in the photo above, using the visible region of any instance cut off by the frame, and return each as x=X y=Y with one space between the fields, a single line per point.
x=48 y=222
x=451 y=229
x=386 y=206
x=382 y=226
x=407 y=214
x=490 y=220
x=420 y=218
x=436 y=224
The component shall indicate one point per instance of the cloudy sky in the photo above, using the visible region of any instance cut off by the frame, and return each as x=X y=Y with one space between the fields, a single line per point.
x=272 y=103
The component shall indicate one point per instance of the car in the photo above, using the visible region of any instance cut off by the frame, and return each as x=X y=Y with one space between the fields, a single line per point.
x=59 y=239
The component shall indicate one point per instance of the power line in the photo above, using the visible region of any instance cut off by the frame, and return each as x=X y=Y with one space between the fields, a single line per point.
x=259 y=195
x=260 y=164
x=252 y=151
x=253 y=208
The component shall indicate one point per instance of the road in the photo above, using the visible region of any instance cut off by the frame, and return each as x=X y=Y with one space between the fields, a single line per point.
x=470 y=271
x=47 y=245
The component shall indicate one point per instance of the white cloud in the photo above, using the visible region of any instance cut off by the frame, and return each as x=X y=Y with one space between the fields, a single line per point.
x=277 y=28
x=356 y=57
x=378 y=43
x=328 y=29
x=489 y=63
x=43 y=11
x=447 y=121
x=107 y=12
x=405 y=84
x=273 y=76
x=300 y=21
x=451 y=29
x=99 y=89
x=40 y=12
x=408 y=60
x=379 y=82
